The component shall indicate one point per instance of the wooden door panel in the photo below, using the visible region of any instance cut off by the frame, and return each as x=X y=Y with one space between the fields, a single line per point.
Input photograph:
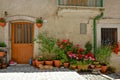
x=22 y=46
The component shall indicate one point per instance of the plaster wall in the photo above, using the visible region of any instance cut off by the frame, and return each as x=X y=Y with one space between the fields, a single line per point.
x=112 y=8
x=111 y=19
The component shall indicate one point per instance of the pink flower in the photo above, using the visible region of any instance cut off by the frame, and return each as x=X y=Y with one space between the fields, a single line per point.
x=77 y=58
x=70 y=54
x=74 y=56
x=86 y=56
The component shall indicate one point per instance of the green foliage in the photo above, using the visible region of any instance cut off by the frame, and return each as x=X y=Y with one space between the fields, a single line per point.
x=88 y=47
x=73 y=62
x=1 y=50
x=111 y=69
x=39 y=20
x=59 y=54
x=79 y=62
x=2 y=44
x=103 y=54
x=41 y=59
x=47 y=45
x=2 y=20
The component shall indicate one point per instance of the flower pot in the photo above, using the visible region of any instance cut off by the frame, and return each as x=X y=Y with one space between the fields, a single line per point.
x=79 y=67
x=98 y=66
x=84 y=67
x=57 y=63
x=66 y=64
x=92 y=66
x=37 y=63
x=73 y=67
x=103 y=69
x=49 y=63
x=2 y=54
x=39 y=25
x=33 y=63
x=2 y=24
x=4 y=66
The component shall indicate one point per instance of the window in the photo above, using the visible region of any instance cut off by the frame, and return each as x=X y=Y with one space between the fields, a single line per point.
x=89 y=3
x=83 y=28
x=108 y=36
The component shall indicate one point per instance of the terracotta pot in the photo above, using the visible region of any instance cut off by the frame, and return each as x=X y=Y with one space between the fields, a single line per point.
x=39 y=25
x=103 y=69
x=66 y=64
x=2 y=24
x=92 y=66
x=98 y=67
x=79 y=67
x=73 y=66
x=4 y=66
x=2 y=54
x=37 y=63
x=33 y=63
x=84 y=67
x=49 y=63
x=57 y=63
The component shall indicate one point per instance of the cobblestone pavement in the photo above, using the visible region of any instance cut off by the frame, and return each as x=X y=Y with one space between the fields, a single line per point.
x=29 y=69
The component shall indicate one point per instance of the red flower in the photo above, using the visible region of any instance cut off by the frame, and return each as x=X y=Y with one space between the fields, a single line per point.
x=90 y=55
x=77 y=45
x=81 y=49
x=65 y=41
x=1 y=18
x=80 y=56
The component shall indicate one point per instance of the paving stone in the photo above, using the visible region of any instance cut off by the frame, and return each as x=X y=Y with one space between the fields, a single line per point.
x=27 y=68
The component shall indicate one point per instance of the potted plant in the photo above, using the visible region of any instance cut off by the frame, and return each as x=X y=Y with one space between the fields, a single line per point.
x=2 y=22
x=88 y=47
x=2 y=52
x=79 y=63
x=65 y=61
x=39 y=60
x=103 y=56
x=73 y=64
x=39 y=22
x=59 y=56
x=47 y=47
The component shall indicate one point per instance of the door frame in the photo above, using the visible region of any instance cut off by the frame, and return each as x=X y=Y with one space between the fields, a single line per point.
x=8 y=37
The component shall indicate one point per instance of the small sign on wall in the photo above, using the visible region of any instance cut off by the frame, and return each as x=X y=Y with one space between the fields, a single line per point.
x=83 y=28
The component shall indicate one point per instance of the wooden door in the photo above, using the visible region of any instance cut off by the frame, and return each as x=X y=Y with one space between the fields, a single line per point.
x=22 y=42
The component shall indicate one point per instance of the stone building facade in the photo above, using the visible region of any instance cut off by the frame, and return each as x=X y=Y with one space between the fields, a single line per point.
x=62 y=22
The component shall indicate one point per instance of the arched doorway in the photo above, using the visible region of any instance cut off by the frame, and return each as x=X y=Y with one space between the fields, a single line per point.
x=22 y=41
x=21 y=31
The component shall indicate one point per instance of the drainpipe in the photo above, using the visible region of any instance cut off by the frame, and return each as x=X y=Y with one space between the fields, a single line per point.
x=58 y=2
x=95 y=32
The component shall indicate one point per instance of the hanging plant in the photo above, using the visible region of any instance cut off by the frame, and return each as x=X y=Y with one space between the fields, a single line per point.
x=39 y=22
x=2 y=22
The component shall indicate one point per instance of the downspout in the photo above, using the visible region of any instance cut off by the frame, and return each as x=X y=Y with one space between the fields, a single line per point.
x=95 y=31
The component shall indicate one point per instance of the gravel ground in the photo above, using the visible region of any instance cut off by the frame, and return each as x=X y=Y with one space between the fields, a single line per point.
x=30 y=69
